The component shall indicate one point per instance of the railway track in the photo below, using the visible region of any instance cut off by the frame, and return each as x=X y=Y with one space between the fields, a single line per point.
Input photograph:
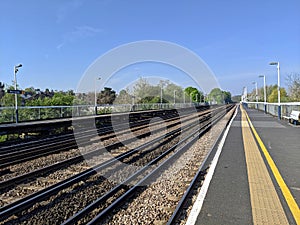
x=29 y=177
x=19 y=153
x=109 y=214
x=147 y=159
x=73 y=156
x=77 y=157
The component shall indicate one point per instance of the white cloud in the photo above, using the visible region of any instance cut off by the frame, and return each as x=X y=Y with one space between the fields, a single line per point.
x=66 y=8
x=60 y=46
x=83 y=32
x=80 y=32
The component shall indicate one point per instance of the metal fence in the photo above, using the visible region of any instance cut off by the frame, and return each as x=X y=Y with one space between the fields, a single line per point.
x=272 y=108
x=30 y=113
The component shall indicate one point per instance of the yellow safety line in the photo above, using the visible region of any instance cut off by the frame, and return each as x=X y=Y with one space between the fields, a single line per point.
x=265 y=203
x=284 y=188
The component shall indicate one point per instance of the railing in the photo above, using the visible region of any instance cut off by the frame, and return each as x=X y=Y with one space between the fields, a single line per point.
x=30 y=113
x=272 y=108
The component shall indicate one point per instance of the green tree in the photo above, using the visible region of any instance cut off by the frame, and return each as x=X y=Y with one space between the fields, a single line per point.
x=168 y=93
x=106 y=96
x=227 y=97
x=195 y=94
x=189 y=90
x=123 y=97
x=273 y=97
x=143 y=90
x=9 y=99
x=218 y=96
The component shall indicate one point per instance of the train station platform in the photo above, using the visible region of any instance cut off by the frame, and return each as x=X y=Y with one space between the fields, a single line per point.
x=256 y=178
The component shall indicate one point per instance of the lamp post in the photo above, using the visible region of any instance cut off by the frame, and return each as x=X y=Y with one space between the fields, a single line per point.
x=97 y=78
x=256 y=93
x=278 y=78
x=174 y=98
x=16 y=69
x=183 y=97
x=244 y=96
x=161 y=95
x=133 y=103
x=197 y=98
x=265 y=92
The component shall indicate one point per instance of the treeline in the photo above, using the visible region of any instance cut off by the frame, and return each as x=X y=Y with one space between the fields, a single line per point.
x=142 y=92
x=36 y=97
x=292 y=94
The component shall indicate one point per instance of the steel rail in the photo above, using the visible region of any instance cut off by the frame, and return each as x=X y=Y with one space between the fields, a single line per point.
x=144 y=180
x=26 y=202
x=125 y=196
x=198 y=176
x=54 y=147
x=101 y=131
x=76 y=159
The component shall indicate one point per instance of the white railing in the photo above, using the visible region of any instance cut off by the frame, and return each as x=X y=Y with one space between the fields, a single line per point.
x=272 y=108
x=29 y=113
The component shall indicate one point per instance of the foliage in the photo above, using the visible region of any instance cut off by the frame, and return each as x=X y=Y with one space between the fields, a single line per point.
x=143 y=91
x=273 y=97
x=106 y=96
x=217 y=96
x=168 y=93
x=293 y=82
x=84 y=99
x=123 y=97
x=260 y=92
x=152 y=99
x=194 y=94
x=227 y=97
x=236 y=98
x=35 y=97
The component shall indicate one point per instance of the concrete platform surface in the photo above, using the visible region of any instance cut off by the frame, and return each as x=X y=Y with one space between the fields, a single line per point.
x=234 y=190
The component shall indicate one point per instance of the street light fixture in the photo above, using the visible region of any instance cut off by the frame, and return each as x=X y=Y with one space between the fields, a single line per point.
x=133 y=103
x=161 y=94
x=278 y=77
x=95 y=104
x=16 y=95
x=265 y=92
x=174 y=97
x=244 y=95
x=256 y=93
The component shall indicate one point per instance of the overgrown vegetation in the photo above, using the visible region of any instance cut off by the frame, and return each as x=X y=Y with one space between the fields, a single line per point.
x=141 y=93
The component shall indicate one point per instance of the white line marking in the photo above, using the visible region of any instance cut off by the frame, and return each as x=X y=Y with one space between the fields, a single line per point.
x=200 y=198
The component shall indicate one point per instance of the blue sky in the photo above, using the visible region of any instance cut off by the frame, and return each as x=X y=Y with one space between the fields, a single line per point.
x=57 y=40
